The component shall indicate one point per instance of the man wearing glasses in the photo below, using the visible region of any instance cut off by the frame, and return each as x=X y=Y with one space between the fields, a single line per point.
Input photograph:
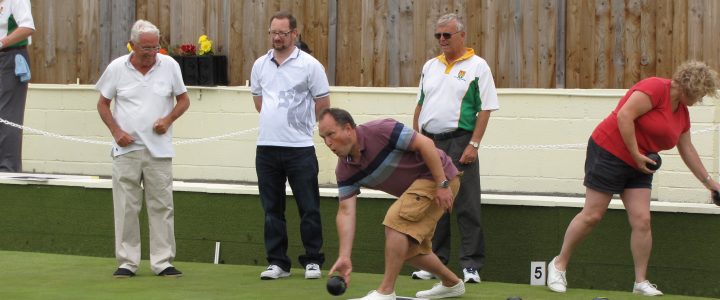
x=143 y=85
x=456 y=96
x=289 y=88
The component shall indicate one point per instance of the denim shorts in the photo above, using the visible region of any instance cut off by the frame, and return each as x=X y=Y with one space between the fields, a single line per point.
x=606 y=173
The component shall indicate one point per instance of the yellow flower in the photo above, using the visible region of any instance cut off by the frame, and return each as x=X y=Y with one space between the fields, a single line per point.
x=129 y=47
x=205 y=47
x=202 y=39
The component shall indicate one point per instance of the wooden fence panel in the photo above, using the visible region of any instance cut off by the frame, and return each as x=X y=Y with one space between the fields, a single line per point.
x=349 y=38
x=648 y=35
x=527 y=43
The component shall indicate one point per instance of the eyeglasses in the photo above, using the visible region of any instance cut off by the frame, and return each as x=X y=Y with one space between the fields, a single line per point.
x=279 y=33
x=150 y=49
x=445 y=35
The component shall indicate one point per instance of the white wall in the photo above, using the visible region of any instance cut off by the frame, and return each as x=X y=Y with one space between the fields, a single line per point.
x=526 y=117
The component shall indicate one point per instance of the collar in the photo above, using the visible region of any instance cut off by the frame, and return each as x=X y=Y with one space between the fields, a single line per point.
x=469 y=52
x=294 y=54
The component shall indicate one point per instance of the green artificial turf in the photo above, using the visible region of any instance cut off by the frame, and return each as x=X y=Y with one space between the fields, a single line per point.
x=31 y=275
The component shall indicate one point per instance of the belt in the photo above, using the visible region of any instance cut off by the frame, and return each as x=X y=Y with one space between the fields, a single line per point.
x=8 y=49
x=446 y=135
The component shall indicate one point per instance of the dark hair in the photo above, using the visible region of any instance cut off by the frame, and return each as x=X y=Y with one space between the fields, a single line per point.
x=285 y=15
x=340 y=115
x=302 y=45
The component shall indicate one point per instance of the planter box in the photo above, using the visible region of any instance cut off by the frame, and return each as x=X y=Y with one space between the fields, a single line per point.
x=206 y=70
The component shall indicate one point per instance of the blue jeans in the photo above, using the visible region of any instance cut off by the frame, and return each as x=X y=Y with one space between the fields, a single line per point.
x=300 y=167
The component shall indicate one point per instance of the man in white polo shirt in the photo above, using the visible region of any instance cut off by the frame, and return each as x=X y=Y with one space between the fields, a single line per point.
x=289 y=88
x=456 y=96
x=16 y=26
x=143 y=84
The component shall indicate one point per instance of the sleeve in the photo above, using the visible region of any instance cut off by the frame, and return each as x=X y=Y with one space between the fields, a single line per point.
x=178 y=86
x=421 y=92
x=318 y=82
x=255 y=88
x=486 y=88
x=107 y=84
x=23 y=14
x=652 y=87
x=347 y=191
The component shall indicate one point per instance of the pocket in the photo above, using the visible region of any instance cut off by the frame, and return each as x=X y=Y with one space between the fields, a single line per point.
x=162 y=88
x=414 y=205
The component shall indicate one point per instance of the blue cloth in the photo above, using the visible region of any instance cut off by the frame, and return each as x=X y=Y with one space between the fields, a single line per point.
x=22 y=69
x=299 y=166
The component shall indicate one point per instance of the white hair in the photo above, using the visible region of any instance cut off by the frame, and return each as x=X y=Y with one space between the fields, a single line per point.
x=142 y=26
x=449 y=17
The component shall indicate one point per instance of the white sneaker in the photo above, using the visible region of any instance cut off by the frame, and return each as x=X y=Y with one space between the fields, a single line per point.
x=471 y=275
x=646 y=288
x=556 y=280
x=374 y=295
x=423 y=275
x=440 y=291
x=273 y=272
x=312 y=271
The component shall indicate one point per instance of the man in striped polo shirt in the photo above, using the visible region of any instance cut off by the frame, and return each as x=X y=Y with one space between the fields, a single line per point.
x=389 y=156
x=16 y=26
x=456 y=96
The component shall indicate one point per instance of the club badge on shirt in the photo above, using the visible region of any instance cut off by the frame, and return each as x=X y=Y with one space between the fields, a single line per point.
x=461 y=75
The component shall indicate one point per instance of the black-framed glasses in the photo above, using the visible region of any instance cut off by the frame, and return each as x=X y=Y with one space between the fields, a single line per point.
x=445 y=35
x=282 y=34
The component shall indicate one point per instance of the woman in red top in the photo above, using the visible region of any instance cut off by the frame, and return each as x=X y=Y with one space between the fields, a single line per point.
x=651 y=117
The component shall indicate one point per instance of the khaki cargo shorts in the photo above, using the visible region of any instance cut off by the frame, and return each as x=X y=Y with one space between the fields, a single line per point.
x=416 y=213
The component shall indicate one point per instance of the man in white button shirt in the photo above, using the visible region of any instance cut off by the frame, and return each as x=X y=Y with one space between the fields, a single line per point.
x=143 y=84
x=289 y=88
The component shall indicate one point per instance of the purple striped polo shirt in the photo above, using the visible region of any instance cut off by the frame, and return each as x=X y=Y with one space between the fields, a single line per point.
x=385 y=162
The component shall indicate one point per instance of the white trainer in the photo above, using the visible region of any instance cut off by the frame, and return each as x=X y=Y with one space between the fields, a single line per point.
x=646 y=288
x=471 y=275
x=375 y=295
x=423 y=275
x=273 y=272
x=556 y=280
x=312 y=271
x=440 y=291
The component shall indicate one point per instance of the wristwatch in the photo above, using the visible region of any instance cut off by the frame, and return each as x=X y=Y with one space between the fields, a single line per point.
x=444 y=184
x=474 y=144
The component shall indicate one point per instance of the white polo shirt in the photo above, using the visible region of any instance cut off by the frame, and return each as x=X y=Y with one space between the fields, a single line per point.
x=140 y=100
x=288 y=91
x=451 y=95
x=14 y=14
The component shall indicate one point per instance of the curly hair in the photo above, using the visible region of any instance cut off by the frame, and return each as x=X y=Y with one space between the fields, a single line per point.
x=697 y=79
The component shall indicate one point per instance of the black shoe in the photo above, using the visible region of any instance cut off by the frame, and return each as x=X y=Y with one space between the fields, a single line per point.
x=123 y=273
x=171 y=272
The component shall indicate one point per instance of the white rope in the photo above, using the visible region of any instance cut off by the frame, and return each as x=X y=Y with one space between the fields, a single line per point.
x=241 y=132
x=74 y=139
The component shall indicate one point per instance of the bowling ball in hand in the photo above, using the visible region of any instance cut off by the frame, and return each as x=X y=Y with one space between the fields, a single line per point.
x=336 y=285
x=656 y=158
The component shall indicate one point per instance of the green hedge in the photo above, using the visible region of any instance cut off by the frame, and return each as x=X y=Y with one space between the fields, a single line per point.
x=79 y=221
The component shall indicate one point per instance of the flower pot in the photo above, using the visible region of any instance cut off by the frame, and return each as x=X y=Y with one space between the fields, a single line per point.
x=205 y=70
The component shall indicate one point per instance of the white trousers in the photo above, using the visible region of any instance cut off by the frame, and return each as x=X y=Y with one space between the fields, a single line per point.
x=137 y=176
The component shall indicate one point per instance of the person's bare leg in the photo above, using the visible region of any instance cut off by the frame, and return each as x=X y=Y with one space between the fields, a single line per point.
x=432 y=264
x=637 y=205
x=396 y=248
x=596 y=204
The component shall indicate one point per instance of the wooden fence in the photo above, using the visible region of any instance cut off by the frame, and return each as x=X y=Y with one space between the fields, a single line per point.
x=528 y=43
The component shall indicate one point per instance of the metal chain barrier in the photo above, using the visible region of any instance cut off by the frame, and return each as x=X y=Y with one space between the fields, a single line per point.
x=241 y=132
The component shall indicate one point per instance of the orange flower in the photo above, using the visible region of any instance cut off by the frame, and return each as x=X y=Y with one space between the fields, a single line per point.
x=163 y=51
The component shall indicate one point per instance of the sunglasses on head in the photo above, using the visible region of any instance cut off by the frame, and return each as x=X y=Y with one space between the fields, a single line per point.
x=445 y=35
